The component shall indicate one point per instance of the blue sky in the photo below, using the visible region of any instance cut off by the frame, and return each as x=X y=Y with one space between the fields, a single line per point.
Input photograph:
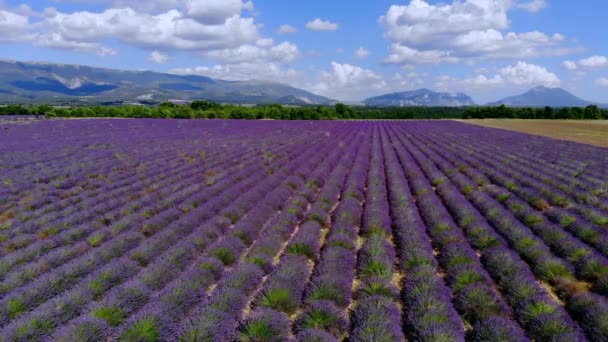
x=347 y=50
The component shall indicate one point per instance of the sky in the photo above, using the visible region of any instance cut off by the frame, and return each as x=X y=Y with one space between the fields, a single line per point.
x=343 y=49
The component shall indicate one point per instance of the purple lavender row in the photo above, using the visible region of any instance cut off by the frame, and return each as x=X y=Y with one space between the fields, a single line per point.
x=156 y=273
x=561 y=152
x=37 y=252
x=200 y=329
x=170 y=307
x=558 y=197
x=103 y=207
x=160 y=272
x=329 y=292
x=376 y=317
x=473 y=289
x=589 y=264
x=514 y=175
x=225 y=248
x=283 y=290
x=84 y=218
x=167 y=151
x=572 y=174
x=570 y=184
x=315 y=293
x=513 y=274
x=504 y=265
x=112 y=133
x=428 y=312
x=113 y=191
x=581 y=228
x=100 y=236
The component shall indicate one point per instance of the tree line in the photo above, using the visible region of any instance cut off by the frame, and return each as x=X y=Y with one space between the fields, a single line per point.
x=210 y=110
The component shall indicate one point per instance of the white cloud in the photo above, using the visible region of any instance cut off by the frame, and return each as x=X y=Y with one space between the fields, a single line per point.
x=244 y=71
x=533 y=6
x=409 y=82
x=349 y=82
x=602 y=82
x=156 y=6
x=519 y=74
x=284 y=29
x=593 y=62
x=56 y=41
x=470 y=29
x=570 y=65
x=283 y=53
x=14 y=27
x=158 y=57
x=260 y=61
x=215 y=11
x=401 y=54
x=362 y=53
x=170 y=30
x=321 y=25
x=523 y=73
x=218 y=30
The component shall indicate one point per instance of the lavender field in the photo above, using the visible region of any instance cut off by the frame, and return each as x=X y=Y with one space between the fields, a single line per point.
x=167 y=230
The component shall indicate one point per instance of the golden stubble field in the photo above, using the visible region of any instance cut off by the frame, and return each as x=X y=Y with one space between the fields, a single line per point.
x=594 y=132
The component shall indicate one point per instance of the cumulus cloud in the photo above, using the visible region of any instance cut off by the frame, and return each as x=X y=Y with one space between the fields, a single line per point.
x=362 y=53
x=14 y=26
x=519 y=74
x=321 y=25
x=224 y=32
x=284 y=29
x=602 y=82
x=523 y=73
x=570 y=65
x=407 y=82
x=349 y=82
x=158 y=57
x=533 y=6
x=260 y=61
x=57 y=41
x=421 y=32
x=212 y=10
x=244 y=71
x=401 y=54
x=283 y=53
x=216 y=11
x=170 y=30
x=593 y=62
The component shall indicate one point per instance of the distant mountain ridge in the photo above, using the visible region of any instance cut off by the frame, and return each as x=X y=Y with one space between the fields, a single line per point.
x=543 y=96
x=420 y=98
x=38 y=82
x=64 y=84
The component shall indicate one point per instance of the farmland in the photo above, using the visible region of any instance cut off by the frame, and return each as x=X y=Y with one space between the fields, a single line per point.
x=594 y=132
x=214 y=230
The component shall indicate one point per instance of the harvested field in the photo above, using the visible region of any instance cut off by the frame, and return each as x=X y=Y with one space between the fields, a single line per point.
x=594 y=132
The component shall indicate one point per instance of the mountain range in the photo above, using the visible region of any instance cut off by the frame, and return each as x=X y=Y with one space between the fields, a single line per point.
x=543 y=96
x=33 y=82
x=61 y=84
x=420 y=98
